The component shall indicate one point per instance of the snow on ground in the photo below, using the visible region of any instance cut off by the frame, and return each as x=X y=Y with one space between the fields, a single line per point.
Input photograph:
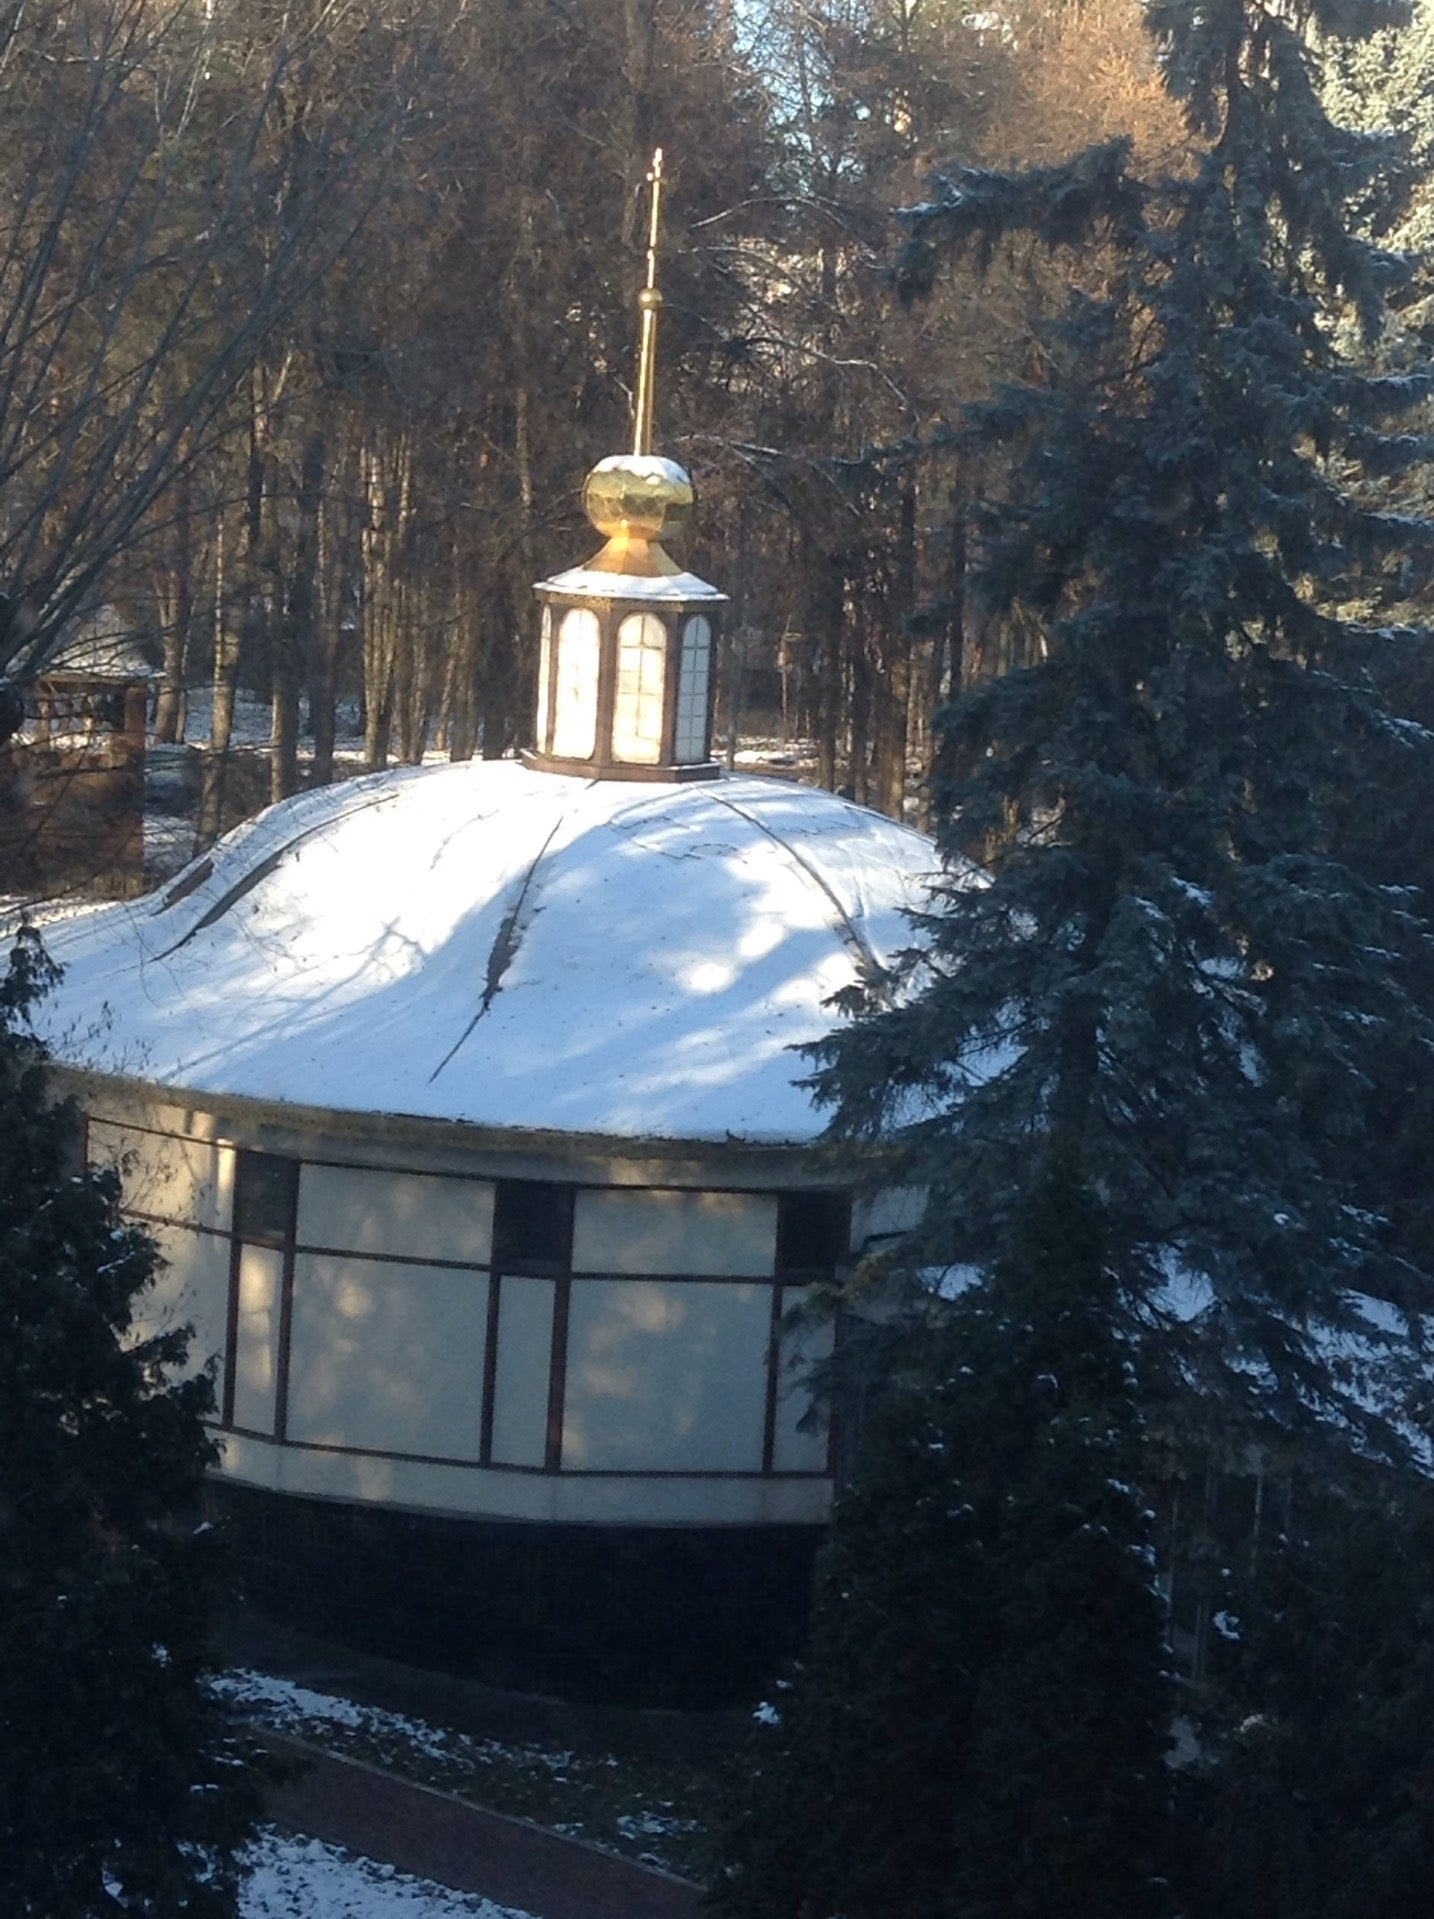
x=652 y=1810
x=168 y=843
x=254 y=716
x=296 y=1878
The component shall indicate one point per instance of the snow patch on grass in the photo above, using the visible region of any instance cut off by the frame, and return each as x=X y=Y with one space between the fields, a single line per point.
x=292 y=1878
x=296 y=1709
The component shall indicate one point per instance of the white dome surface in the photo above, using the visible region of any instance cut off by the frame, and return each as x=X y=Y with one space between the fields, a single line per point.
x=487 y=944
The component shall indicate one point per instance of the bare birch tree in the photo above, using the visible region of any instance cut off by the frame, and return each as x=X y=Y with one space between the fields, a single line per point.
x=156 y=230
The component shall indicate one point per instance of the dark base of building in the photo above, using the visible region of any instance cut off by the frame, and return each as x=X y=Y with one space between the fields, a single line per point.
x=613 y=1615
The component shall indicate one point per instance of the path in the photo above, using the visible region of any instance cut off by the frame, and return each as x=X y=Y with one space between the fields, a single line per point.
x=435 y=1836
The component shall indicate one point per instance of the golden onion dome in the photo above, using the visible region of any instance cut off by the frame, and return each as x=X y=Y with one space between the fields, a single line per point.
x=637 y=496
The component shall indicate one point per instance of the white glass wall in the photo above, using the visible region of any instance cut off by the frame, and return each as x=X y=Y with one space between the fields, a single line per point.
x=406 y=1315
x=642 y=1230
x=690 y=743
x=387 y=1357
x=190 y=1289
x=637 y=701
x=666 y=1375
x=259 y=1281
x=575 y=712
x=542 y=730
x=405 y=1215
x=166 y=1177
x=801 y=1343
x=520 y=1396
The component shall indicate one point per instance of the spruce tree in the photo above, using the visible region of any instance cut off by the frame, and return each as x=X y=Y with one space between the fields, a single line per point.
x=1384 y=84
x=120 y=1791
x=1172 y=998
x=1313 y=1791
x=1177 y=981
x=980 y=1727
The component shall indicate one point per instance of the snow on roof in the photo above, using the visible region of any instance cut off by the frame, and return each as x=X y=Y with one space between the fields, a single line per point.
x=102 y=647
x=484 y=943
x=630 y=586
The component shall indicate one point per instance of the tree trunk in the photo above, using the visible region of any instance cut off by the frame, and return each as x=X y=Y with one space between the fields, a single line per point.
x=497 y=675
x=283 y=721
x=323 y=658
x=858 y=707
x=946 y=667
x=378 y=639
x=171 y=705
x=956 y=603
x=221 y=726
x=260 y=640
x=639 y=23
x=460 y=705
x=894 y=709
x=298 y=641
x=412 y=619
x=826 y=596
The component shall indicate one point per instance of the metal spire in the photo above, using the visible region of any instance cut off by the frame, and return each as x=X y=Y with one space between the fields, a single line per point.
x=649 y=300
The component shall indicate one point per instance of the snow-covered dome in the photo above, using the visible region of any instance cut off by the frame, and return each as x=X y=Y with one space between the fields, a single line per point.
x=487 y=944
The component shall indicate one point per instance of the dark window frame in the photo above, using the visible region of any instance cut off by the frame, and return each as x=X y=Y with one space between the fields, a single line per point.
x=551 y=1260
x=266 y=1198
x=274 y=1226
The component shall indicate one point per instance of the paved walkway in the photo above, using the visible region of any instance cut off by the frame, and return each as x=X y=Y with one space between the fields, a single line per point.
x=436 y=1836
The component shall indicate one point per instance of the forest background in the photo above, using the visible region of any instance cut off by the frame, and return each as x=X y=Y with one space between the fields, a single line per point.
x=313 y=318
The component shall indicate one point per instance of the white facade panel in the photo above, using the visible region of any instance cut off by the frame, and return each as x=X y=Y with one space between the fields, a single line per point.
x=191 y=1289
x=256 y=1341
x=670 y=1232
x=165 y=1176
x=387 y=1357
x=520 y=1387
x=355 y=1209
x=800 y=1346
x=666 y=1377
x=886 y=1215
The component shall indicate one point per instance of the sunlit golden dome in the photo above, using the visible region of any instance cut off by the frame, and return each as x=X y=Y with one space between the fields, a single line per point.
x=634 y=500
x=637 y=496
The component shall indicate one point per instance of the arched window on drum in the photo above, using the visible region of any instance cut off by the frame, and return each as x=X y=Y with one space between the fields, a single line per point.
x=575 y=705
x=544 y=729
x=638 y=699
x=693 y=679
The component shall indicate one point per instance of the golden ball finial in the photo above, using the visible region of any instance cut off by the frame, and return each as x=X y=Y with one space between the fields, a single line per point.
x=637 y=496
